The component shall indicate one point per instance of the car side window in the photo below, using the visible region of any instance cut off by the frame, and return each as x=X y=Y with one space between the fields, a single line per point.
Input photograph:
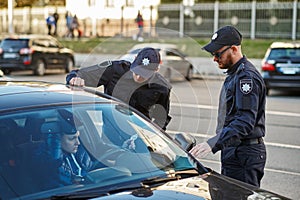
x=169 y=53
x=53 y=44
x=278 y=53
x=40 y=43
x=294 y=52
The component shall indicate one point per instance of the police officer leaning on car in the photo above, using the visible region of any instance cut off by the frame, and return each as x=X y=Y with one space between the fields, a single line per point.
x=136 y=84
x=241 y=113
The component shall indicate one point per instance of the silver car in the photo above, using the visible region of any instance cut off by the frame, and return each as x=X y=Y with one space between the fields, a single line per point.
x=174 y=64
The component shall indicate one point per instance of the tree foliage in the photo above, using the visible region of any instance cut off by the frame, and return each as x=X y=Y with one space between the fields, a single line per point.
x=23 y=3
x=31 y=3
x=222 y=1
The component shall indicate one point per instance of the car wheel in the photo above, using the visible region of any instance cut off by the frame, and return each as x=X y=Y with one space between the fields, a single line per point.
x=189 y=74
x=6 y=71
x=267 y=91
x=69 y=65
x=40 y=68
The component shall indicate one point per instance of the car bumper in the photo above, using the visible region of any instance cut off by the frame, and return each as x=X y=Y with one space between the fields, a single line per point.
x=14 y=66
x=292 y=82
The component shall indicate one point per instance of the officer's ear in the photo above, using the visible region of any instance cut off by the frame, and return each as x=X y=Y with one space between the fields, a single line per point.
x=236 y=50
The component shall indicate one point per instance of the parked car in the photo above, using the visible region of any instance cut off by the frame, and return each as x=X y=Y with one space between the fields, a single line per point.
x=34 y=52
x=174 y=63
x=133 y=158
x=281 y=66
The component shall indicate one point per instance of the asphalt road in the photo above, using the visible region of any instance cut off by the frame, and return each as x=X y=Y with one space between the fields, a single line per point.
x=194 y=110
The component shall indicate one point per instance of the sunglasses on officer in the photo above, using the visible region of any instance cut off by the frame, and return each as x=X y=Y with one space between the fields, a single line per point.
x=219 y=54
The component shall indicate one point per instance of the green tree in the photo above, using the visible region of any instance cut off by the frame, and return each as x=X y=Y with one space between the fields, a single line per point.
x=31 y=3
x=222 y=1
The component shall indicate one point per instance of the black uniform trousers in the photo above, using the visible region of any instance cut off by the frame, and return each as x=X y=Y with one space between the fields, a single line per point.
x=245 y=162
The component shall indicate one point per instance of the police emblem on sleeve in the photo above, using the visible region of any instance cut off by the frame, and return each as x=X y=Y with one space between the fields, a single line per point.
x=246 y=86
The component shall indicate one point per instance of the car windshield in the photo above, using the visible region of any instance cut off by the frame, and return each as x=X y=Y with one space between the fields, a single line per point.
x=287 y=53
x=116 y=146
x=14 y=43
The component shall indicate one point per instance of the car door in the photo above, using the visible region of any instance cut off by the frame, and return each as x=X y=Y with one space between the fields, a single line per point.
x=176 y=60
x=57 y=58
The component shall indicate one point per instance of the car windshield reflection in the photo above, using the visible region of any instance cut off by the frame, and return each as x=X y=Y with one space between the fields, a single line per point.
x=114 y=146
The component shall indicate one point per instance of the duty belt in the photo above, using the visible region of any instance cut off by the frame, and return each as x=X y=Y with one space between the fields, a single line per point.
x=252 y=141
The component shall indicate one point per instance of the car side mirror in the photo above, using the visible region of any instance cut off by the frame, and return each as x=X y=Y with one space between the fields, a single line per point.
x=185 y=140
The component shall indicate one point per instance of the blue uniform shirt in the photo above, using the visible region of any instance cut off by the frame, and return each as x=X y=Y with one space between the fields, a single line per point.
x=241 y=113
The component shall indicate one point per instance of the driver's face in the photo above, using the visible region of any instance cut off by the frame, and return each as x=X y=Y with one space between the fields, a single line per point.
x=70 y=143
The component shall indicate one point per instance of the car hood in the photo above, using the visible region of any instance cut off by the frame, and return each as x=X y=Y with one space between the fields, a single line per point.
x=156 y=194
x=209 y=186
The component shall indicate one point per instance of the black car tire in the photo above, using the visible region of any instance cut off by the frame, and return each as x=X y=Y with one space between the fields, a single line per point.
x=40 y=67
x=267 y=91
x=69 y=65
x=6 y=71
x=189 y=74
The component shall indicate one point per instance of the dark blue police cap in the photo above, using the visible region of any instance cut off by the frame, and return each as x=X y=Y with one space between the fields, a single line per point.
x=69 y=122
x=146 y=62
x=225 y=36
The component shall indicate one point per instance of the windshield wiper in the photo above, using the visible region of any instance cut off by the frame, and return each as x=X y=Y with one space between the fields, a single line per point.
x=172 y=176
x=98 y=192
x=158 y=180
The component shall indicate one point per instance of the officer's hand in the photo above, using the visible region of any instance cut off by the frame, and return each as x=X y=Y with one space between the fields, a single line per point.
x=200 y=150
x=77 y=81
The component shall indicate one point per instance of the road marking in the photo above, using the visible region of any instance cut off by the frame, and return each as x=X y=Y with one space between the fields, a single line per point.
x=290 y=114
x=194 y=106
x=266 y=169
x=273 y=144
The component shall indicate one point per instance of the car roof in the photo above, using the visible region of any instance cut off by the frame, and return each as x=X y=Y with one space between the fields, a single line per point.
x=26 y=36
x=21 y=94
x=285 y=45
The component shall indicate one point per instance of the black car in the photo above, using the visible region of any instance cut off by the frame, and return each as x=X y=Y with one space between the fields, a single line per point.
x=281 y=66
x=34 y=52
x=132 y=157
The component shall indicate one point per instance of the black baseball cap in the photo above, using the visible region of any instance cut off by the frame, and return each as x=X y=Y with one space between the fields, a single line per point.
x=146 y=62
x=225 y=36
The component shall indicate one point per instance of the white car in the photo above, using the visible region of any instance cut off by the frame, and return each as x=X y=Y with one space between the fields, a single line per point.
x=174 y=63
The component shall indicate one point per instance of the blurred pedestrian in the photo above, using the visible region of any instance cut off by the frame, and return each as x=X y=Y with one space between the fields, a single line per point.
x=75 y=27
x=56 y=17
x=50 y=21
x=241 y=114
x=69 y=20
x=140 y=23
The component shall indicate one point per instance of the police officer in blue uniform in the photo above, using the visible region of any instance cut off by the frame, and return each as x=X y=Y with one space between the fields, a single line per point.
x=241 y=113
x=136 y=84
x=66 y=160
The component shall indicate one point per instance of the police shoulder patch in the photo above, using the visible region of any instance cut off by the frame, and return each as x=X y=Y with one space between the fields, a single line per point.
x=246 y=86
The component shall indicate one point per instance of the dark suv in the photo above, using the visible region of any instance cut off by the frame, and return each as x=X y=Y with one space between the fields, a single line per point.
x=34 y=52
x=281 y=66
